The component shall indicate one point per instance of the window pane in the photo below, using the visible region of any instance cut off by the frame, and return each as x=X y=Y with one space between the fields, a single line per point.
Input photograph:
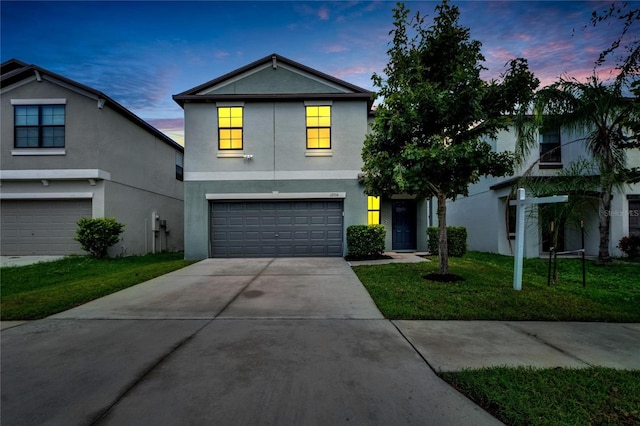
x=53 y=137
x=324 y=111
x=324 y=143
x=312 y=138
x=26 y=115
x=52 y=115
x=236 y=143
x=27 y=137
x=313 y=122
x=235 y=112
x=224 y=144
x=373 y=203
x=236 y=122
x=224 y=122
x=324 y=121
x=224 y=112
x=236 y=134
x=373 y=218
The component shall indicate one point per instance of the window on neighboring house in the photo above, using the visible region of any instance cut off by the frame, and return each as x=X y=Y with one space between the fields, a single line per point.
x=373 y=210
x=229 y=128
x=179 y=166
x=550 y=151
x=318 y=127
x=39 y=126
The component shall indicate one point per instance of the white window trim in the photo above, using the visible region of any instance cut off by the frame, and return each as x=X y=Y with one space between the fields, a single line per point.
x=46 y=196
x=38 y=151
x=56 y=101
x=318 y=152
x=230 y=154
x=318 y=103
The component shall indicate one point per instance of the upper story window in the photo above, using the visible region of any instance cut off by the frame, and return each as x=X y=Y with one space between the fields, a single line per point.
x=39 y=126
x=318 y=119
x=229 y=128
x=373 y=210
x=550 y=151
x=179 y=166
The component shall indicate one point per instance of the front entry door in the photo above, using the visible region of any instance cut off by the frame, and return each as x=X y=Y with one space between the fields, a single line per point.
x=403 y=225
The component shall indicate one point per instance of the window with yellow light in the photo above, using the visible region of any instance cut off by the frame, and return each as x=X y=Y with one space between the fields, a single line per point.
x=373 y=210
x=229 y=128
x=318 y=127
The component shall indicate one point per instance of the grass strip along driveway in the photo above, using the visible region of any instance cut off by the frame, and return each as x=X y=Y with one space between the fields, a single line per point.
x=524 y=396
x=36 y=291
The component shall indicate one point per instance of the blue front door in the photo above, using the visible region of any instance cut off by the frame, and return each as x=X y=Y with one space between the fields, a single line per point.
x=403 y=225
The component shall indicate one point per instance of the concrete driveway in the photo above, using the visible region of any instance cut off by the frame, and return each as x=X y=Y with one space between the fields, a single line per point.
x=227 y=342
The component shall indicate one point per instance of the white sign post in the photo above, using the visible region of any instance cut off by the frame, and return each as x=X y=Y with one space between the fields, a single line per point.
x=520 y=204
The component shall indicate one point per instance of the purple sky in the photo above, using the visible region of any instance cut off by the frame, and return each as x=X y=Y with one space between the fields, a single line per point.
x=142 y=53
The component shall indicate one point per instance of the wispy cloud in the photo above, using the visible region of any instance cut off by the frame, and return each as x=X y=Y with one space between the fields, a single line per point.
x=335 y=48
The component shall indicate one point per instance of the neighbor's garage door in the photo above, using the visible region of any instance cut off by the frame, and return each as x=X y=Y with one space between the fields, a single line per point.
x=43 y=227
x=276 y=229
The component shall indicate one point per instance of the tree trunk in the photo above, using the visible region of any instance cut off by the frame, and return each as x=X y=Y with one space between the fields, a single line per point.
x=443 y=248
x=604 y=225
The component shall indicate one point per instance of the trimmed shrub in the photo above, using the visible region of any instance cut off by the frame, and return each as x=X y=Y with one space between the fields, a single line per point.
x=456 y=240
x=630 y=246
x=365 y=240
x=97 y=235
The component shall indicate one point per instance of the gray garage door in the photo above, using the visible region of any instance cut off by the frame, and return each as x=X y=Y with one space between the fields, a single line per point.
x=276 y=229
x=41 y=227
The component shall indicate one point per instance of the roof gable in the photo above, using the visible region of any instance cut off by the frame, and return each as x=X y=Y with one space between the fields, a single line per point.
x=273 y=76
x=14 y=71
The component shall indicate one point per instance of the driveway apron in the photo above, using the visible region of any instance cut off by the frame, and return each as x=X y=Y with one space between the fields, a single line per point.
x=226 y=342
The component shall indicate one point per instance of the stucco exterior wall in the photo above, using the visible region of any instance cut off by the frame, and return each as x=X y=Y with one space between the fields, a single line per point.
x=137 y=168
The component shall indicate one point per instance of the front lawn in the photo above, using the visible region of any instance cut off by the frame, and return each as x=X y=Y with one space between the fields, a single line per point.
x=612 y=292
x=526 y=396
x=36 y=291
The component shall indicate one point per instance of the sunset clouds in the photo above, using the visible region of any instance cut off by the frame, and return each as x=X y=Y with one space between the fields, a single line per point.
x=141 y=53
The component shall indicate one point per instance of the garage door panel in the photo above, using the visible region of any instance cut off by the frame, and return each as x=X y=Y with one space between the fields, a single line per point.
x=283 y=228
x=41 y=227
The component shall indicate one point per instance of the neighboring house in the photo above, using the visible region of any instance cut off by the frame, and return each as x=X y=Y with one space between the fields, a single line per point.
x=273 y=155
x=69 y=151
x=490 y=222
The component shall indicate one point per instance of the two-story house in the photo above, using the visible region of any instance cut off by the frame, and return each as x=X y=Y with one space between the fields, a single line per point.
x=272 y=159
x=68 y=151
x=490 y=221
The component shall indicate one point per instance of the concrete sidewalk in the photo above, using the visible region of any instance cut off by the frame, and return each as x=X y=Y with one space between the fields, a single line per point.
x=227 y=342
x=455 y=345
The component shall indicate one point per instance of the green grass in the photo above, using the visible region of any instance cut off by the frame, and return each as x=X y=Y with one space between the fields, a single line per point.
x=526 y=396
x=36 y=291
x=612 y=292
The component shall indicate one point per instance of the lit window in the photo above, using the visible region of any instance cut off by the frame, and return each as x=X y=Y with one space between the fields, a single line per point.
x=373 y=210
x=318 y=127
x=39 y=126
x=230 y=128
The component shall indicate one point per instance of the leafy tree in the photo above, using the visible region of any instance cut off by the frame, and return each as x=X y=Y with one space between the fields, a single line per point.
x=607 y=116
x=628 y=65
x=427 y=136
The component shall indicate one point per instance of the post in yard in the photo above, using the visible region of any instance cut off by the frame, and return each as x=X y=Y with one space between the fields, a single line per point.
x=520 y=202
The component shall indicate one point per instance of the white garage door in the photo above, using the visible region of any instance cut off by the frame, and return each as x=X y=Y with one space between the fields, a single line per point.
x=43 y=227
x=276 y=228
